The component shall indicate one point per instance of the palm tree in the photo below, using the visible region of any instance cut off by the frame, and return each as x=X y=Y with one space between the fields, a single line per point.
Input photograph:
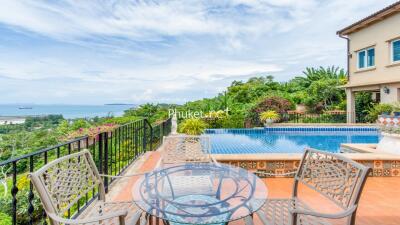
x=313 y=74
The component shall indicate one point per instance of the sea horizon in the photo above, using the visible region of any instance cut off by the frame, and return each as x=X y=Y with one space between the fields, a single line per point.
x=68 y=111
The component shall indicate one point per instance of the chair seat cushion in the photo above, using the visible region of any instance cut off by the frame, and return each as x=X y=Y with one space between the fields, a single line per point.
x=103 y=208
x=276 y=211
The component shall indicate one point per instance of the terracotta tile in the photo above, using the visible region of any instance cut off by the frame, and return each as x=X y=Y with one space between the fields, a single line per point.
x=148 y=165
x=378 y=164
x=379 y=204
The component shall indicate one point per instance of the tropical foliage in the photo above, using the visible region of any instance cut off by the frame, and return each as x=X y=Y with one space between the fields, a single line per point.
x=5 y=219
x=318 y=89
x=378 y=109
x=274 y=103
x=269 y=115
x=192 y=126
x=153 y=112
x=38 y=133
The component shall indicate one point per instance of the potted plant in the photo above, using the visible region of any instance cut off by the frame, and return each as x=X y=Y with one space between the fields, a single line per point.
x=396 y=109
x=269 y=117
x=192 y=126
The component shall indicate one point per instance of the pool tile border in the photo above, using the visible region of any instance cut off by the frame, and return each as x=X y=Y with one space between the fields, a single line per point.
x=380 y=168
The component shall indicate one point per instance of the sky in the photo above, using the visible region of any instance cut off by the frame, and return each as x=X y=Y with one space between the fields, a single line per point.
x=97 y=52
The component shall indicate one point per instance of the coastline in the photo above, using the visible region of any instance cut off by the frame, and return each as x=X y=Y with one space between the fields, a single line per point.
x=14 y=113
x=4 y=120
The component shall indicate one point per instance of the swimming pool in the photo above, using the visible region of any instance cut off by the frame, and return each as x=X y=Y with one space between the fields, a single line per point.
x=287 y=139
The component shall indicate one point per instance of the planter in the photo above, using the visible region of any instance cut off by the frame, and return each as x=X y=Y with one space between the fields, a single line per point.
x=389 y=143
x=268 y=122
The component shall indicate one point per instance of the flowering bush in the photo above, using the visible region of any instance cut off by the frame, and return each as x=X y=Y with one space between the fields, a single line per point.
x=275 y=103
x=91 y=131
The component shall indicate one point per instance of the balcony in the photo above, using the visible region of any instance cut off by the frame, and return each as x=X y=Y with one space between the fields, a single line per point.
x=135 y=148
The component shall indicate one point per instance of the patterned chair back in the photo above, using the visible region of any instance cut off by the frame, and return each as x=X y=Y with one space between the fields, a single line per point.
x=186 y=148
x=334 y=176
x=64 y=181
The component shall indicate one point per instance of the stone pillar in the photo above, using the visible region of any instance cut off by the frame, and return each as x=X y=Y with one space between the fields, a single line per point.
x=351 y=108
x=174 y=124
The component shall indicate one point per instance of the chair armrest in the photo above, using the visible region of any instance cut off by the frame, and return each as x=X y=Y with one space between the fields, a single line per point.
x=118 y=213
x=339 y=215
x=214 y=161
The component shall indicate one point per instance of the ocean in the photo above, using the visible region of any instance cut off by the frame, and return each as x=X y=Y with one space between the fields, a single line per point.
x=68 y=111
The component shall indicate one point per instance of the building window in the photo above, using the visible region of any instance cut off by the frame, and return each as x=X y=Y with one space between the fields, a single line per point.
x=366 y=58
x=371 y=57
x=396 y=50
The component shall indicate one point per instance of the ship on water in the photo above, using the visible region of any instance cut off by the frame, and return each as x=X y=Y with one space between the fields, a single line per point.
x=24 y=107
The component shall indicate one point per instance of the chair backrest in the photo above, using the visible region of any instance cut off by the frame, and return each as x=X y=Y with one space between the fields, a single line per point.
x=334 y=176
x=64 y=181
x=186 y=148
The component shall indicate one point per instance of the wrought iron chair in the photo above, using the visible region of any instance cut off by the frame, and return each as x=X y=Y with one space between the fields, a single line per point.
x=181 y=149
x=62 y=183
x=186 y=149
x=337 y=178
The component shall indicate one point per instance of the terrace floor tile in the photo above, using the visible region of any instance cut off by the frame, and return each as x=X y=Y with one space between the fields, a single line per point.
x=379 y=204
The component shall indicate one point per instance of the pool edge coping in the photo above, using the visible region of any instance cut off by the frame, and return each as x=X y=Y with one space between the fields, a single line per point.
x=298 y=156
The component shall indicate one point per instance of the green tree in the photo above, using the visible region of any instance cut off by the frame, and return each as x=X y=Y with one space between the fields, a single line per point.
x=363 y=102
x=323 y=94
x=79 y=123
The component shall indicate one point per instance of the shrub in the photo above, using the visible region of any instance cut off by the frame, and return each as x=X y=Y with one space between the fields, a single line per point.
x=120 y=120
x=80 y=123
x=278 y=104
x=233 y=121
x=5 y=219
x=215 y=119
x=363 y=102
x=376 y=110
x=192 y=126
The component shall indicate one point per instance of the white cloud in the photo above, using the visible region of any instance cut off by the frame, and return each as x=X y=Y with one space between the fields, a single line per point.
x=104 y=51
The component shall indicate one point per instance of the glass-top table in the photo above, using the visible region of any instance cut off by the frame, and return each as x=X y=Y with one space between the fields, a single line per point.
x=200 y=193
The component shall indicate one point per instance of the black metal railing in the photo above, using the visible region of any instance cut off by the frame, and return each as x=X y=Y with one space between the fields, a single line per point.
x=313 y=118
x=112 y=151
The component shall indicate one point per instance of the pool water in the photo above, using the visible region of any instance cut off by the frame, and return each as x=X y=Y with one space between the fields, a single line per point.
x=287 y=139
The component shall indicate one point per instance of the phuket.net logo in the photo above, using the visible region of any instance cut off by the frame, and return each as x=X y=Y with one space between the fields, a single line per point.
x=189 y=114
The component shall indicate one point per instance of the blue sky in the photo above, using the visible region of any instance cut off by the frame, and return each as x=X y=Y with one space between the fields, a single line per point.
x=95 y=52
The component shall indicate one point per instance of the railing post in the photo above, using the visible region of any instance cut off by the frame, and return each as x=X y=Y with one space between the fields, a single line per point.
x=14 y=191
x=105 y=170
x=136 y=140
x=100 y=145
x=144 y=135
x=151 y=137
x=161 y=130
x=31 y=196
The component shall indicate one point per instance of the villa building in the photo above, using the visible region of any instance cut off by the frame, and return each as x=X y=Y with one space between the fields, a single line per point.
x=373 y=45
